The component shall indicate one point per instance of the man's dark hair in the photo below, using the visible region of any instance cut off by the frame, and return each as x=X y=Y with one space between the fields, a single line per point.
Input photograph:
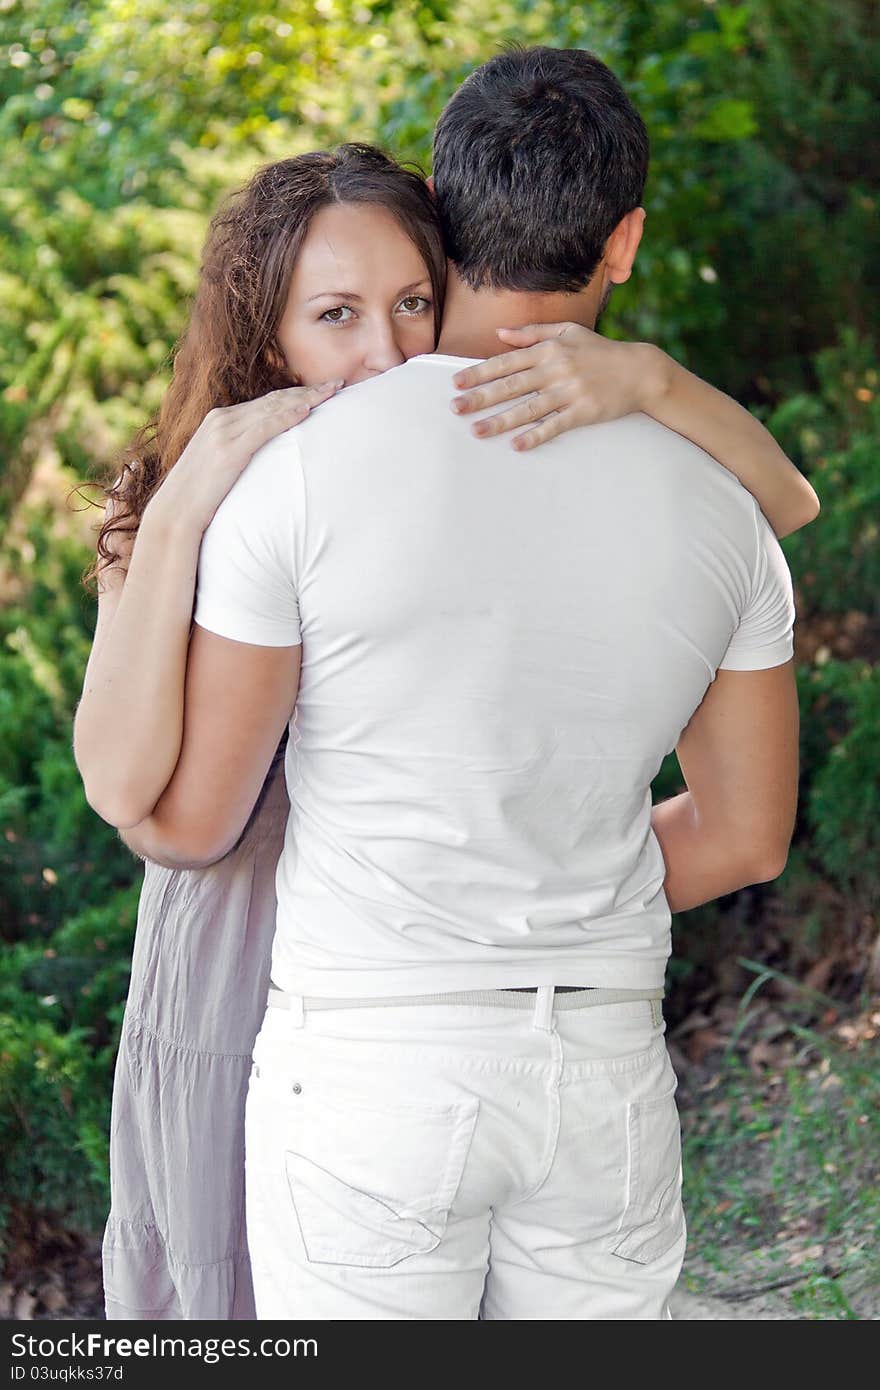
x=537 y=157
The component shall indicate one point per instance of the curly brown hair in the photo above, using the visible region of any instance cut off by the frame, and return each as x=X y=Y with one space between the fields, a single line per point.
x=228 y=352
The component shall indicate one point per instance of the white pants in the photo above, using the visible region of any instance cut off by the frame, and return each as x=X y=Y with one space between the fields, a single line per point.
x=464 y=1161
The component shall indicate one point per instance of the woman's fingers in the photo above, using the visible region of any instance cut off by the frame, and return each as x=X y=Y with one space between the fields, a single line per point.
x=322 y=391
x=535 y=333
x=284 y=412
x=526 y=412
x=522 y=358
x=284 y=400
x=548 y=428
x=298 y=398
x=493 y=368
x=542 y=359
x=576 y=378
x=268 y=415
x=308 y=396
x=506 y=388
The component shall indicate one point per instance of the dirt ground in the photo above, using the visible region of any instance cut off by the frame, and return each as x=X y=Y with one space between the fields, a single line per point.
x=767 y=1307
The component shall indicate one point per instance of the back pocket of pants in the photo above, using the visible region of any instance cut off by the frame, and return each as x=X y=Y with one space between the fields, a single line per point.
x=653 y=1219
x=373 y=1185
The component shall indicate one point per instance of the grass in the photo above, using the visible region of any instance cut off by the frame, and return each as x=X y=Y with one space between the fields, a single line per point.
x=781 y=1167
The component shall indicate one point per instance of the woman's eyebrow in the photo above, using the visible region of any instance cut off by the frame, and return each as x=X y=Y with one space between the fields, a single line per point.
x=333 y=294
x=350 y=294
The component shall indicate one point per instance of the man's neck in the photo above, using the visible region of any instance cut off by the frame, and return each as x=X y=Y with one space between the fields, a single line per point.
x=470 y=317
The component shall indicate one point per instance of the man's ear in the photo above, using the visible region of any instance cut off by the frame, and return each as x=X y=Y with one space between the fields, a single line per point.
x=622 y=245
x=429 y=184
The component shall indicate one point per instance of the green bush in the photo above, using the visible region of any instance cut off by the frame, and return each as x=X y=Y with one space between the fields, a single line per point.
x=68 y=892
x=833 y=435
x=54 y=1109
x=54 y=851
x=843 y=805
x=762 y=233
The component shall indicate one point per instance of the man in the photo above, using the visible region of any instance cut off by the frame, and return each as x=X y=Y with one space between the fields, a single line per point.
x=461 y=1103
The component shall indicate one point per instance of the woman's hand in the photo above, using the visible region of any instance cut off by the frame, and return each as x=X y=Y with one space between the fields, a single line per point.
x=223 y=446
x=576 y=377
x=579 y=378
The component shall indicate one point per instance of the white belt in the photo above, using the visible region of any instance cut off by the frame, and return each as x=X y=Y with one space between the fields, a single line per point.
x=513 y=998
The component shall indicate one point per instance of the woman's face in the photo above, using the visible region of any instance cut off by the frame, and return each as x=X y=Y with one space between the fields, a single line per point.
x=359 y=300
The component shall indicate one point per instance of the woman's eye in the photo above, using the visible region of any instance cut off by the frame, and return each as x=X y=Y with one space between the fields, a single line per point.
x=330 y=315
x=415 y=304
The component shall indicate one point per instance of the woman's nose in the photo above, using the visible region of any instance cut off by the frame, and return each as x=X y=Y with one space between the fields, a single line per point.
x=383 y=348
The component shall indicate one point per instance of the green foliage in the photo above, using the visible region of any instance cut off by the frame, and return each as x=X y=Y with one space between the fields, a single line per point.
x=762 y=233
x=61 y=1004
x=53 y=851
x=832 y=435
x=843 y=810
x=53 y=1108
x=64 y=966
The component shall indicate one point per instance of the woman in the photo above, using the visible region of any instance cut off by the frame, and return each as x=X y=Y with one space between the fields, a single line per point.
x=175 y=1243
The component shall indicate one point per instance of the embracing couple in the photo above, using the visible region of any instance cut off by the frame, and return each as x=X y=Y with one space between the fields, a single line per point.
x=394 y=1045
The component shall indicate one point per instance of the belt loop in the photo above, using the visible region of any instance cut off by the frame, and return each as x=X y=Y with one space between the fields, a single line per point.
x=656 y=1012
x=296 y=1006
x=543 y=1015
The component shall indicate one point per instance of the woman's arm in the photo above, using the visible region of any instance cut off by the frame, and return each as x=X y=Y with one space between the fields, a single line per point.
x=129 y=722
x=727 y=431
x=577 y=377
x=238 y=700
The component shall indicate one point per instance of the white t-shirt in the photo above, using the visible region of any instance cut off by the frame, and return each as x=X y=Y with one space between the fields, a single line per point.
x=499 y=649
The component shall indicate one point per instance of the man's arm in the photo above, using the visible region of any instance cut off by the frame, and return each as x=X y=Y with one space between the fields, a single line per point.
x=239 y=699
x=739 y=758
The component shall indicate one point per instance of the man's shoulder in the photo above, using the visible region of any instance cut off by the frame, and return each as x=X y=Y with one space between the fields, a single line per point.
x=640 y=437
x=275 y=457
x=417 y=379
x=642 y=432
x=270 y=481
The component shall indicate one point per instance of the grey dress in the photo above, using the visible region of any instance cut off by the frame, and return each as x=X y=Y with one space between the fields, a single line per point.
x=174 y=1244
